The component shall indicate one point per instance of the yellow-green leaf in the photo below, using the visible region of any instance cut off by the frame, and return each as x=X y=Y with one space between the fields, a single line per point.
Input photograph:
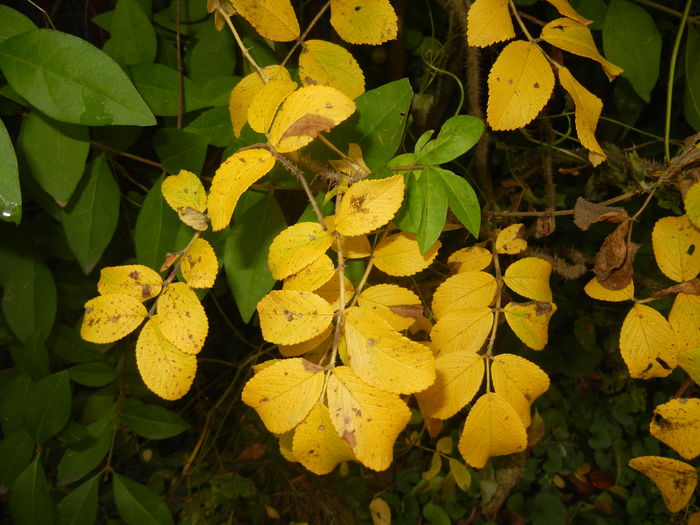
x=676 y=244
x=464 y=290
x=488 y=22
x=597 y=291
x=263 y=107
x=182 y=319
x=369 y=204
x=398 y=306
x=519 y=382
x=306 y=113
x=273 y=19
x=435 y=467
x=297 y=247
x=462 y=329
x=132 y=279
x=367 y=418
x=574 y=37
x=677 y=423
x=530 y=322
x=380 y=511
x=458 y=377
x=245 y=91
x=675 y=479
x=691 y=201
x=110 y=317
x=400 y=256
x=647 y=343
x=588 y=108
x=312 y=276
x=317 y=445
x=685 y=320
x=384 y=358
x=529 y=277
x=461 y=474
x=520 y=84
x=326 y=64
x=493 y=428
x=185 y=194
x=166 y=371
x=288 y=317
x=284 y=393
x=510 y=240
x=364 y=21
x=474 y=258
x=199 y=264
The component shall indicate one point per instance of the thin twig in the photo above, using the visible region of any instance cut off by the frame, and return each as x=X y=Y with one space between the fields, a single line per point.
x=242 y=47
x=304 y=183
x=306 y=32
x=127 y=155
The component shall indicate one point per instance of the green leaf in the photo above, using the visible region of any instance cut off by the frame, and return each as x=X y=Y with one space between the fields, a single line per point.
x=66 y=343
x=180 y=150
x=86 y=455
x=214 y=55
x=13 y=23
x=424 y=209
x=462 y=199
x=16 y=452
x=90 y=219
x=592 y=10
x=632 y=41
x=215 y=125
x=457 y=136
x=12 y=396
x=691 y=101
x=33 y=357
x=47 y=406
x=93 y=374
x=158 y=83
x=436 y=515
x=42 y=65
x=152 y=421
x=133 y=36
x=139 y=505
x=257 y=221
x=55 y=153
x=547 y=508
x=79 y=507
x=30 y=501
x=10 y=193
x=29 y=301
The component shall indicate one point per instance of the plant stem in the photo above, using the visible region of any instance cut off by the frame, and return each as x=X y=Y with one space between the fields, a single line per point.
x=242 y=47
x=302 y=180
x=306 y=32
x=127 y=155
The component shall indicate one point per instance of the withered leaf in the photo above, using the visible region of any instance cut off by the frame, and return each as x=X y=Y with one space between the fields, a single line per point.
x=612 y=253
x=587 y=213
x=689 y=287
x=309 y=125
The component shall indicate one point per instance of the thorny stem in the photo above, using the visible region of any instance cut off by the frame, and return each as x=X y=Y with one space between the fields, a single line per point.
x=306 y=32
x=242 y=47
x=496 y=315
x=340 y=319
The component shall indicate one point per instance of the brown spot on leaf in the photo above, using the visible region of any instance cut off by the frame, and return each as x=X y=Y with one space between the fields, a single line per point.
x=146 y=291
x=349 y=438
x=536 y=85
x=370 y=342
x=308 y=126
x=310 y=81
x=134 y=275
x=542 y=308
x=357 y=203
x=414 y=311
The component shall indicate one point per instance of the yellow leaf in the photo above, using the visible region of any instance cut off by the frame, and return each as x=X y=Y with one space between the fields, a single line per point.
x=597 y=291
x=694 y=518
x=312 y=276
x=364 y=21
x=435 y=466
x=367 y=418
x=166 y=371
x=685 y=320
x=677 y=423
x=474 y=258
x=233 y=177
x=444 y=445
x=353 y=164
x=133 y=279
x=273 y=19
x=185 y=194
x=182 y=319
x=675 y=479
x=566 y=10
x=647 y=343
x=244 y=92
x=296 y=247
x=317 y=445
x=510 y=240
x=330 y=291
x=398 y=306
x=284 y=393
x=574 y=37
x=676 y=244
x=689 y=359
x=285 y=443
x=399 y=255
x=263 y=108
x=110 y=317
x=464 y=290
x=520 y=83
x=519 y=382
x=529 y=277
x=461 y=474
x=354 y=247
x=380 y=511
x=326 y=64
x=588 y=108
x=692 y=204
x=488 y=22
x=493 y=428
x=458 y=377
x=462 y=329
x=199 y=264
x=288 y=317
x=530 y=322
x=369 y=204
x=307 y=112
x=310 y=346
x=384 y=358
